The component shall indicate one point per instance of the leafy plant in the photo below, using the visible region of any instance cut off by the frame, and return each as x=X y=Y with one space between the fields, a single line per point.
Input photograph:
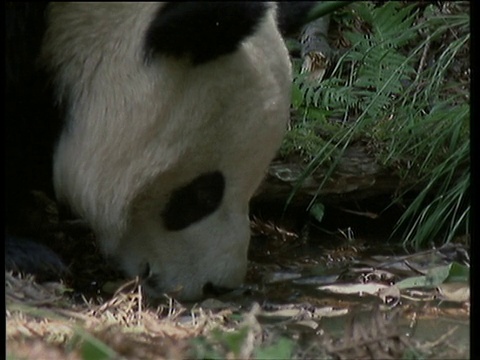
x=403 y=85
x=282 y=349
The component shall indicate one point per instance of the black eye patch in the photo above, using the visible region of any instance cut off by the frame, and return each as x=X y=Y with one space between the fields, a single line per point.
x=194 y=201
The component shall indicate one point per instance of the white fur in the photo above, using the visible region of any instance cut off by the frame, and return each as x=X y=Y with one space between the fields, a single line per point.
x=135 y=132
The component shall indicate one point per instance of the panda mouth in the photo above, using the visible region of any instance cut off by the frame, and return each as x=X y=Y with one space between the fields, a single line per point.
x=210 y=289
x=151 y=281
x=148 y=278
x=146 y=273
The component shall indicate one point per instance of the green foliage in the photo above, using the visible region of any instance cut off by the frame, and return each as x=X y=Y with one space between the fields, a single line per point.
x=326 y=7
x=403 y=85
x=436 y=276
x=91 y=348
x=317 y=210
x=371 y=71
x=233 y=341
x=282 y=349
x=94 y=349
x=204 y=349
x=220 y=342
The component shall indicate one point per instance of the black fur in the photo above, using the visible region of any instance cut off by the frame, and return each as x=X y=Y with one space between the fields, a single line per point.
x=31 y=120
x=292 y=15
x=202 y=31
x=194 y=201
x=27 y=256
x=31 y=127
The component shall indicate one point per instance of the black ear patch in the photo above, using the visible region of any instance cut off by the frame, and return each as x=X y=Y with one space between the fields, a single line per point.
x=194 y=201
x=292 y=15
x=202 y=31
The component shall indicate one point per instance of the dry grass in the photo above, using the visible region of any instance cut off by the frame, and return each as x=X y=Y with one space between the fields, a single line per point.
x=43 y=322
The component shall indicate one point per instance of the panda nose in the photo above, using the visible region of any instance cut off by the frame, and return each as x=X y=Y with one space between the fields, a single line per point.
x=210 y=289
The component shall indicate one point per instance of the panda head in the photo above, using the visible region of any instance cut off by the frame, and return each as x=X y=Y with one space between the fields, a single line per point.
x=173 y=113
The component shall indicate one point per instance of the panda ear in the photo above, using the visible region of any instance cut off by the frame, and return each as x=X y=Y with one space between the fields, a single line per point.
x=292 y=15
x=202 y=31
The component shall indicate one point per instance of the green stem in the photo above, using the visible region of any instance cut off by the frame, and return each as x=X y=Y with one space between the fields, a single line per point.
x=326 y=7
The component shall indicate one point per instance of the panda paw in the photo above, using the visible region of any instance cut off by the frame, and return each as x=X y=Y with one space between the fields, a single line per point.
x=26 y=256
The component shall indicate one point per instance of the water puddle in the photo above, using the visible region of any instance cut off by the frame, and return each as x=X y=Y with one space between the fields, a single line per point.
x=352 y=294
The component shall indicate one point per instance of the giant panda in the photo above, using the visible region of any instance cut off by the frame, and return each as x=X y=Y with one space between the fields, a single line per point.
x=169 y=114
